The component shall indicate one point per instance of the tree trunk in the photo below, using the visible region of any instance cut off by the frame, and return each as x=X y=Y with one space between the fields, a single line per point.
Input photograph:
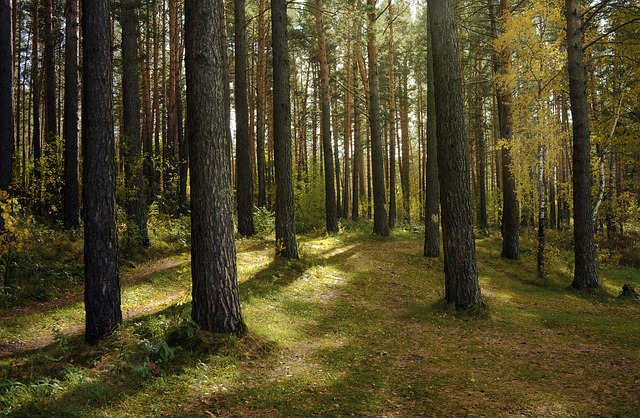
x=380 y=224
x=35 y=89
x=586 y=273
x=261 y=106
x=102 y=279
x=131 y=141
x=70 y=187
x=501 y=62
x=483 y=222
x=346 y=195
x=357 y=146
x=392 y=125
x=542 y=214
x=461 y=273
x=6 y=98
x=216 y=298
x=329 y=180
x=50 y=72
x=432 y=215
x=286 y=246
x=406 y=146
x=147 y=109
x=244 y=176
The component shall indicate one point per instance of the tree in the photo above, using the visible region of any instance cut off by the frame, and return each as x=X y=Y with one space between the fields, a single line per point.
x=132 y=142
x=286 y=246
x=70 y=189
x=432 y=230
x=392 y=126
x=501 y=60
x=102 y=279
x=380 y=224
x=244 y=176
x=50 y=72
x=329 y=180
x=6 y=95
x=586 y=273
x=35 y=90
x=261 y=105
x=216 y=298
x=461 y=274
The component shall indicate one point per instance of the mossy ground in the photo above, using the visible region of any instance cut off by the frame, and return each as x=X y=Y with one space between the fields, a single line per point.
x=353 y=328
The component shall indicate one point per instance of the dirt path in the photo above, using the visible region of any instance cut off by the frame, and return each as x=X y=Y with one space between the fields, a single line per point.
x=47 y=338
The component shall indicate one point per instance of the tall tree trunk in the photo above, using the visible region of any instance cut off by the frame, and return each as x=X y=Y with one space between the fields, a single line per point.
x=461 y=273
x=70 y=187
x=244 y=176
x=380 y=224
x=501 y=62
x=216 y=297
x=261 y=106
x=406 y=147
x=102 y=278
x=542 y=214
x=432 y=213
x=357 y=145
x=346 y=195
x=286 y=246
x=131 y=142
x=50 y=72
x=483 y=222
x=586 y=273
x=392 y=125
x=35 y=89
x=329 y=180
x=6 y=98
x=147 y=109
x=171 y=140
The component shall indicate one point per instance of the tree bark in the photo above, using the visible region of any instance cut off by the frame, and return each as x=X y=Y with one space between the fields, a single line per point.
x=131 y=142
x=392 y=125
x=501 y=61
x=261 y=106
x=329 y=180
x=102 y=279
x=461 y=274
x=244 y=176
x=6 y=98
x=216 y=298
x=432 y=230
x=286 y=246
x=70 y=188
x=542 y=214
x=406 y=146
x=586 y=273
x=380 y=224
x=35 y=90
x=50 y=72
x=357 y=146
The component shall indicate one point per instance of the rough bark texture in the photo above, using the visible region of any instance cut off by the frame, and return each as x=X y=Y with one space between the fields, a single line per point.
x=286 y=246
x=392 y=125
x=510 y=222
x=406 y=148
x=50 y=72
x=6 y=96
x=131 y=141
x=461 y=274
x=216 y=298
x=432 y=230
x=261 y=106
x=586 y=273
x=542 y=214
x=380 y=224
x=329 y=180
x=102 y=279
x=70 y=188
x=35 y=90
x=357 y=148
x=244 y=176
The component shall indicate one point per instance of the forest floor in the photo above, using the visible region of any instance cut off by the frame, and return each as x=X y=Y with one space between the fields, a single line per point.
x=356 y=327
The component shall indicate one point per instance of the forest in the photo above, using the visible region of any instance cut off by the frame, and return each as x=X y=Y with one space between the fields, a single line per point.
x=319 y=208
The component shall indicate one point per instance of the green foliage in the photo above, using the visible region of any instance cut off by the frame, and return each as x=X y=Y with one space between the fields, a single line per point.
x=310 y=205
x=264 y=221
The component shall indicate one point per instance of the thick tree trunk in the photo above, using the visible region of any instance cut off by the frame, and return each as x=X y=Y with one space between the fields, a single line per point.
x=131 y=142
x=432 y=215
x=286 y=246
x=70 y=188
x=461 y=273
x=102 y=279
x=586 y=273
x=216 y=298
x=380 y=224
x=501 y=61
x=244 y=176
x=6 y=98
x=330 y=204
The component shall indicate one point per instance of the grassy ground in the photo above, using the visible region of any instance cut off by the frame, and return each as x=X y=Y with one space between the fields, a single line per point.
x=354 y=328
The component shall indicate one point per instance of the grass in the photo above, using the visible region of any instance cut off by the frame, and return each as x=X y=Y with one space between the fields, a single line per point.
x=353 y=328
